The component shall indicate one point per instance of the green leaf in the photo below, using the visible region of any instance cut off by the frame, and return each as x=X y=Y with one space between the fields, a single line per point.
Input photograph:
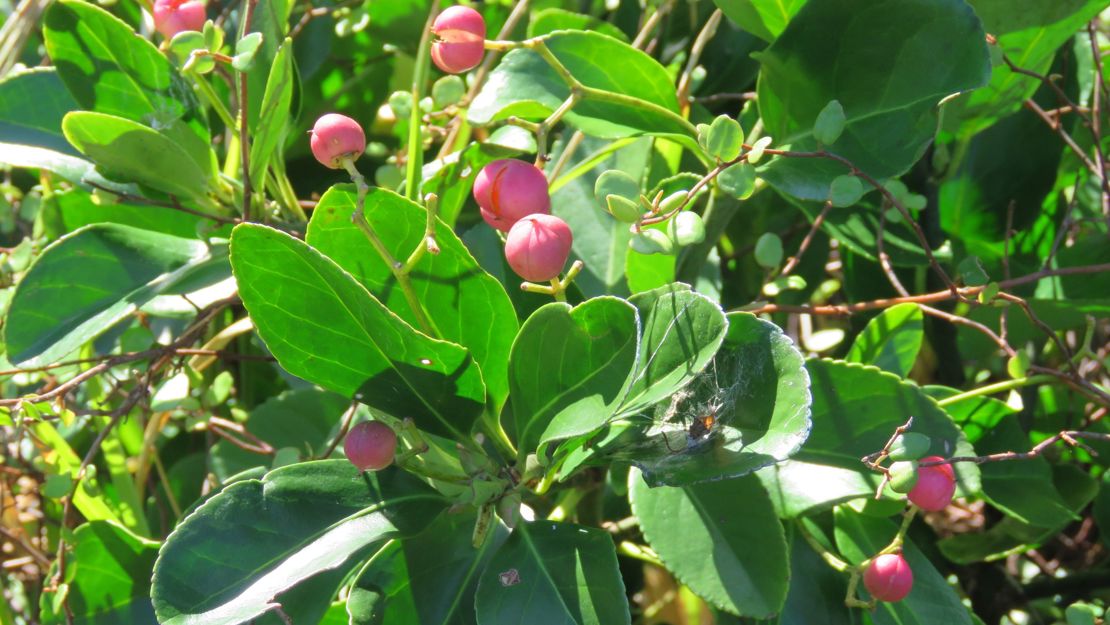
x=569 y=368
x=725 y=138
x=303 y=419
x=757 y=391
x=136 y=153
x=71 y=168
x=845 y=191
x=549 y=20
x=735 y=560
x=267 y=140
x=1029 y=32
x=323 y=326
x=107 y=571
x=738 y=180
x=931 y=600
x=891 y=340
x=857 y=230
x=257 y=538
x=90 y=279
x=78 y=208
x=768 y=250
x=109 y=69
x=32 y=103
x=830 y=123
x=429 y=579
x=639 y=99
x=763 y=18
x=465 y=304
x=855 y=411
x=681 y=331
x=888 y=64
x=245 y=49
x=553 y=573
x=816 y=592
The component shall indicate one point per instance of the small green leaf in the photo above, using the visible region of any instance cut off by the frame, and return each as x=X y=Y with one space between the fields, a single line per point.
x=903 y=476
x=736 y=561
x=830 y=123
x=245 y=49
x=972 y=272
x=686 y=228
x=768 y=250
x=1081 y=613
x=846 y=191
x=1018 y=365
x=724 y=139
x=618 y=183
x=553 y=573
x=738 y=180
x=651 y=241
x=213 y=36
x=447 y=91
x=182 y=46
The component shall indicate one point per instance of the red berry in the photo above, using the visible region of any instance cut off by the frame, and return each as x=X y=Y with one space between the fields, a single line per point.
x=538 y=246
x=335 y=136
x=889 y=577
x=175 y=16
x=370 y=445
x=462 y=34
x=935 y=485
x=510 y=189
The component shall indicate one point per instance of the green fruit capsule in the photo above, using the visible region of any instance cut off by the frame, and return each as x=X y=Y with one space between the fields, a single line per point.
x=651 y=242
x=687 y=228
x=903 y=476
x=910 y=446
x=623 y=209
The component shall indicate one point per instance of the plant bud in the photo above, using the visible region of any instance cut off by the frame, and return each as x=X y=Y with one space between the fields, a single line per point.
x=509 y=189
x=370 y=445
x=537 y=247
x=888 y=577
x=175 y=16
x=336 y=136
x=461 y=33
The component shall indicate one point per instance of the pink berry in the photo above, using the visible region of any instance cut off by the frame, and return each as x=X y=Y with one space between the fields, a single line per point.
x=538 y=246
x=889 y=577
x=335 y=136
x=175 y=16
x=370 y=445
x=935 y=485
x=509 y=189
x=461 y=33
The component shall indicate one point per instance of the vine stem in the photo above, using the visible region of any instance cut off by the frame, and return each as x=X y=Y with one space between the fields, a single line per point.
x=397 y=268
x=415 y=158
x=997 y=387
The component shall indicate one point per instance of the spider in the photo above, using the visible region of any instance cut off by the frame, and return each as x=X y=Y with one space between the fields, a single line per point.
x=700 y=427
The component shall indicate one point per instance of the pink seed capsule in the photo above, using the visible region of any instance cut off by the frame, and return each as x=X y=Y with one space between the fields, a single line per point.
x=509 y=189
x=935 y=486
x=889 y=577
x=175 y=16
x=537 y=247
x=461 y=33
x=335 y=136
x=370 y=445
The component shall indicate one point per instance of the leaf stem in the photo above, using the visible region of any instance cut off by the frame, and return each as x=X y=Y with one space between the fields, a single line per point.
x=997 y=387
x=415 y=153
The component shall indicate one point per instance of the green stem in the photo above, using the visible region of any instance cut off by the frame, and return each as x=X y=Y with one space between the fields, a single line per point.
x=567 y=504
x=359 y=219
x=639 y=552
x=428 y=241
x=420 y=72
x=212 y=99
x=997 y=387
x=896 y=543
x=829 y=557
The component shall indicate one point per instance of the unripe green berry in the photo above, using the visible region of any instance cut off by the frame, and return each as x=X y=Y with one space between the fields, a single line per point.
x=903 y=476
x=687 y=228
x=910 y=446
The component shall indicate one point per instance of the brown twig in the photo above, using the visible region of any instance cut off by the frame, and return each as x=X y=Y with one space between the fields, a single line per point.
x=793 y=261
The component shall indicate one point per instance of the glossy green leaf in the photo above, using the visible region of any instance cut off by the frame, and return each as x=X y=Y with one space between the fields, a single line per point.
x=465 y=304
x=1029 y=32
x=302 y=419
x=271 y=22
x=931 y=600
x=258 y=538
x=891 y=340
x=722 y=539
x=108 y=573
x=32 y=103
x=135 y=153
x=525 y=86
x=816 y=595
x=110 y=69
x=569 y=368
x=855 y=411
x=550 y=572
x=857 y=229
x=724 y=139
x=763 y=18
x=429 y=579
x=267 y=140
x=323 y=326
x=70 y=168
x=757 y=392
x=90 y=279
x=78 y=208
x=549 y=20
x=888 y=64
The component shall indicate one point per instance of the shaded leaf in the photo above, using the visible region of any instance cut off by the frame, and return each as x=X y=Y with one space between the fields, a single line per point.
x=891 y=340
x=32 y=103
